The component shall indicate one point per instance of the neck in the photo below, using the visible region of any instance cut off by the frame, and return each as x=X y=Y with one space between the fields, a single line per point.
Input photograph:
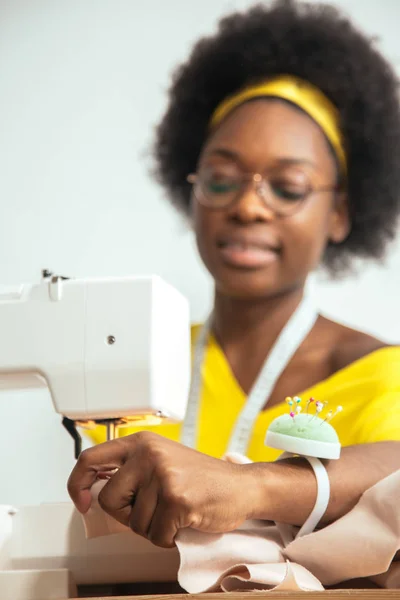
x=249 y=321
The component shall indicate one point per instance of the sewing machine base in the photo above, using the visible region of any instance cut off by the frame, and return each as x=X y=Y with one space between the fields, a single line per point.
x=45 y=555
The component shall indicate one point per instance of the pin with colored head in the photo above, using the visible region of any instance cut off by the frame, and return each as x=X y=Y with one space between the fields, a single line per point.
x=330 y=415
x=290 y=402
x=294 y=404
x=310 y=401
x=319 y=407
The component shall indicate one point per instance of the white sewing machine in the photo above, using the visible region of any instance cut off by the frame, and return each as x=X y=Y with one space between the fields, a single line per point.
x=112 y=352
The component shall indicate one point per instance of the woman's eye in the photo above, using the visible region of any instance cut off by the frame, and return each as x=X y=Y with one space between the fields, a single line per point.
x=221 y=185
x=289 y=191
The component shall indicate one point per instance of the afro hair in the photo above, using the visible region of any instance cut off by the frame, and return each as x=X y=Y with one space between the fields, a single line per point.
x=317 y=43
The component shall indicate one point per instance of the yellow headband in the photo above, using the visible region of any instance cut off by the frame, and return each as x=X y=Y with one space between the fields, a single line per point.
x=305 y=95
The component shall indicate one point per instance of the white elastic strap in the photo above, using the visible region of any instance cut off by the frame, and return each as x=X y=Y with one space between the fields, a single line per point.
x=323 y=495
x=322 y=500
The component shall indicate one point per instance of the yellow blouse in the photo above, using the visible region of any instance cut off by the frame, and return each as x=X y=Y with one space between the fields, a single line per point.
x=368 y=390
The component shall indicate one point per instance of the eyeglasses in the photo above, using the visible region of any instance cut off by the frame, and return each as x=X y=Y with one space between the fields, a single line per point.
x=282 y=194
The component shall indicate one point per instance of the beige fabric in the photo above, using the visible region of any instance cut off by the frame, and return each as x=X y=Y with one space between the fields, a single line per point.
x=98 y=523
x=363 y=543
x=248 y=558
x=264 y=556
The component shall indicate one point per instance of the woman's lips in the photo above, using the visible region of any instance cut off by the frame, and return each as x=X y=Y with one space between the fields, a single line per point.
x=247 y=255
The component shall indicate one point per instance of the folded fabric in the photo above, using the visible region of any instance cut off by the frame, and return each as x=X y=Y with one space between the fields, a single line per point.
x=249 y=558
x=262 y=555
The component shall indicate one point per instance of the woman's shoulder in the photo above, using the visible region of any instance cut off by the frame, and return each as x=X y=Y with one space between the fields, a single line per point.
x=353 y=347
x=360 y=365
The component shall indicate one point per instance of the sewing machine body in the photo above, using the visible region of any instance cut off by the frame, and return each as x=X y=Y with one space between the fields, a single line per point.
x=105 y=348
x=109 y=350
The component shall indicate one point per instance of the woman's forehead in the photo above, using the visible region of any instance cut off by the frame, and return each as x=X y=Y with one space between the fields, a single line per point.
x=266 y=130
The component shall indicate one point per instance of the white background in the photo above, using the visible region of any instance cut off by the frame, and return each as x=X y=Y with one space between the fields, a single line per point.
x=82 y=84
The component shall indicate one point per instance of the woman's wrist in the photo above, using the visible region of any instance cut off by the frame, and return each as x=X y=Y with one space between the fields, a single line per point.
x=283 y=491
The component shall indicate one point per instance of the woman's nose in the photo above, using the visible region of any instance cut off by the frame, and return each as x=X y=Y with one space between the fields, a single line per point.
x=252 y=205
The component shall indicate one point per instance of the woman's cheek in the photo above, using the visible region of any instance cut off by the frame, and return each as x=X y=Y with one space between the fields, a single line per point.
x=302 y=250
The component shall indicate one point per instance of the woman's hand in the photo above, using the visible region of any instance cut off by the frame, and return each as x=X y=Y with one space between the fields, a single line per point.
x=162 y=486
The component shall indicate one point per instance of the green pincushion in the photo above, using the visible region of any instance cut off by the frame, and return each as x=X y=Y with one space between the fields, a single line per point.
x=305 y=434
x=305 y=426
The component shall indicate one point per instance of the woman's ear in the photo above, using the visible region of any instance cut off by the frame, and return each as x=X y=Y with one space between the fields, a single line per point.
x=340 y=221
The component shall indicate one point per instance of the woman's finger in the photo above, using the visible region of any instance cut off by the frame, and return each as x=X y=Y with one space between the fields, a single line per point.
x=144 y=506
x=163 y=527
x=118 y=495
x=104 y=458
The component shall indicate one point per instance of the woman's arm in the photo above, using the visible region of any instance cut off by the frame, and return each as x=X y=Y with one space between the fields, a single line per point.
x=359 y=468
x=161 y=486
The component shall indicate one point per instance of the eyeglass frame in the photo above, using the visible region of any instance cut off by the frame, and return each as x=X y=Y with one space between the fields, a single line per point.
x=258 y=178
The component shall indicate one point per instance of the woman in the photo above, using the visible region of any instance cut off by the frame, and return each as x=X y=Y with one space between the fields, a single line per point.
x=280 y=143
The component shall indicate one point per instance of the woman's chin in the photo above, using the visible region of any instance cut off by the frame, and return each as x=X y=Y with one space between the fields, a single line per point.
x=248 y=287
